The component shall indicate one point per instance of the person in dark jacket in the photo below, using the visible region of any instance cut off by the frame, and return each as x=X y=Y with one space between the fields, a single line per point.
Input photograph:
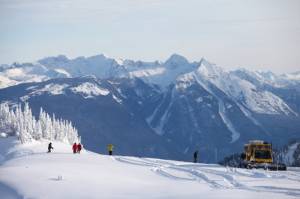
x=196 y=157
x=79 y=147
x=74 y=147
x=50 y=147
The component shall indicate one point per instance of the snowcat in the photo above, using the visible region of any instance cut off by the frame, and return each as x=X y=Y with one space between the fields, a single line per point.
x=258 y=154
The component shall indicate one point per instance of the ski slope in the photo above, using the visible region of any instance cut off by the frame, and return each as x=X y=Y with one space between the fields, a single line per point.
x=27 y=171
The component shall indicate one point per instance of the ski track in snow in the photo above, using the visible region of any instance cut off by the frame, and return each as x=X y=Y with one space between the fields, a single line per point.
x=216 y=179
x=65 y=168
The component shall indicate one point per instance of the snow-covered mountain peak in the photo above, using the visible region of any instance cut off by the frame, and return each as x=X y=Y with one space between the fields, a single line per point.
x=99 y=59
x=261 y=78
x=267 y=74
x=209 y=70
x=161 y=73
x=176 y=60
x=243 y=87
x=55 y=60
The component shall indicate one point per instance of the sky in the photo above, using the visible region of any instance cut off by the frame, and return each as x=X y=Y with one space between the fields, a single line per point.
x=253 y=34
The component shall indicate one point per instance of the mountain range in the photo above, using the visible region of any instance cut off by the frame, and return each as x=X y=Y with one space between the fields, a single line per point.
x=159 y=109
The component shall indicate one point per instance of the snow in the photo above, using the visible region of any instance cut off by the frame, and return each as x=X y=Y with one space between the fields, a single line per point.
x=61 y=174
x=240 y=90
x=199 y=99
x=90 y=90
x=289 y=155
x=159 y=128
x=3 y=135
x=119 y=61
x=293 y=76
x=22 y=74
x=222 y=111
x=102 y=66
x=147 y=72
x=248 y=114
x=262 y=78
x=228 y=106
x=14 y=72
x=53 y=89
x=63 y=71
x=192 y=115
x=6 y=82
x=184 y=81
x=235 y=135
x=117 y=99
x=176 y=69
x=161 y=74
x=121 y=93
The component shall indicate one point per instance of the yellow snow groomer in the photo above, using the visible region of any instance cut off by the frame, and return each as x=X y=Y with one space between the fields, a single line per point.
x=258 y=154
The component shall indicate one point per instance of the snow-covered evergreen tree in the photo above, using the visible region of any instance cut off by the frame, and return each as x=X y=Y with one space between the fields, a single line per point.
x=21 y=122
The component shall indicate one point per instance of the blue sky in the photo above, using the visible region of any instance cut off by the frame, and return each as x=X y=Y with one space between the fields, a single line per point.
x=256 y=34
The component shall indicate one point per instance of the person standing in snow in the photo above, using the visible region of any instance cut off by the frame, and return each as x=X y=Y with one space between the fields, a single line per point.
x=110 y=148
x=50 y=147
x=74 y=147
x=79 y=147
x=196 y=157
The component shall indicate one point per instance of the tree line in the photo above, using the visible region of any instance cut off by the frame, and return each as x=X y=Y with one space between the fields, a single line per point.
x=19 y=121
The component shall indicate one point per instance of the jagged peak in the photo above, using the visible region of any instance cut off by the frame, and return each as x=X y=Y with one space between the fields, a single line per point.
x=203 y=61
x=176 y=60
x=99 y=56
x=60 y=58
x=206 y=68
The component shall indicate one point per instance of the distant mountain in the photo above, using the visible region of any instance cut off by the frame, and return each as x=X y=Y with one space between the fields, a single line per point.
x=101 y=66
x=160 y=109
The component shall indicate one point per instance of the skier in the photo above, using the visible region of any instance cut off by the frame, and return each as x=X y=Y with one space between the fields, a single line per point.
x=74 y=147
x=110 y=149
x=196 y=157
x=79 y=147
x=50 y=147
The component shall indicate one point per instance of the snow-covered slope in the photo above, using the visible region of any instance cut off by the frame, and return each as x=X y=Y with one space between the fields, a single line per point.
x=27 y=171
x=242 y=91
x=22 y=73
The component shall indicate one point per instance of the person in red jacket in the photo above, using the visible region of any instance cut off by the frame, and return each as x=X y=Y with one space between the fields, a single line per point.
x=74 y=147
x=79 y=147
